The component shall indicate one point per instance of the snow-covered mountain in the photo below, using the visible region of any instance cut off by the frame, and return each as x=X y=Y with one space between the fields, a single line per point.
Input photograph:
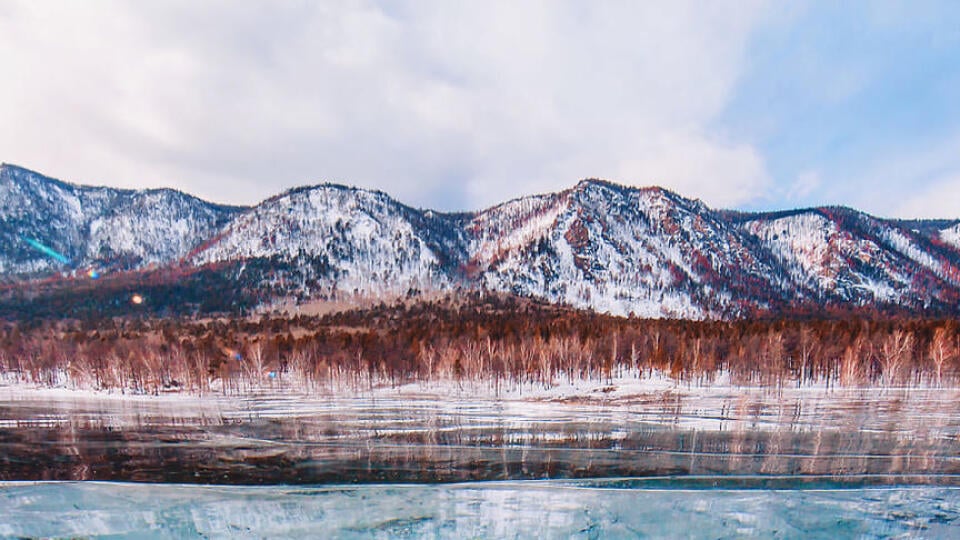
x=597 y=245
x=105 y=228
x=335 y=238
x=621 y=250
x=842 y=255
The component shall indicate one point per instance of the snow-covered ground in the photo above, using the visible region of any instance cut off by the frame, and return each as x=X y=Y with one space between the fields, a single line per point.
x=711 y=404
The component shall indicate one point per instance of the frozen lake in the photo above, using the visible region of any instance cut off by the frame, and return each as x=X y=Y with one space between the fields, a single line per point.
x=515 y=509
x=693 y=462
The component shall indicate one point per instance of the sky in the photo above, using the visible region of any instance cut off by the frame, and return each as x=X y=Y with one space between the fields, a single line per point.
x=459 y=105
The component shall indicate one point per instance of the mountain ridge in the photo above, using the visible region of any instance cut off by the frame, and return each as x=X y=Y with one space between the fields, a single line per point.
x=597 y=245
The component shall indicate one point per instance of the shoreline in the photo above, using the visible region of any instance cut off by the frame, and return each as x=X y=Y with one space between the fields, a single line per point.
x=626 y=389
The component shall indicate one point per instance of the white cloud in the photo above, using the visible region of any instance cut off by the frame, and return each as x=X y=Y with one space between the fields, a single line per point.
x=454 y=105
x=804 y=185
x=908 y=182
x=941 y=199
x=721 y=173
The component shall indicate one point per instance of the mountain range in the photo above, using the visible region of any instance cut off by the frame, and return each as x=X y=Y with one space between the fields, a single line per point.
x=597 y=245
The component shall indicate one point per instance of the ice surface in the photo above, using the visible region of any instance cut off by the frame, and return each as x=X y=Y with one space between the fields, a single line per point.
x=553 y=509
x=656 y=460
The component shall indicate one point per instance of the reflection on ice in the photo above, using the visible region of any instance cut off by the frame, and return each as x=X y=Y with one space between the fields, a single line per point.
x=883 y=436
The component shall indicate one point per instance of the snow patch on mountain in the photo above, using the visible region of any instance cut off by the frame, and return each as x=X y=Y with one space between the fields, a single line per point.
x=950 y=236
x=910 y=249
x=817 y=253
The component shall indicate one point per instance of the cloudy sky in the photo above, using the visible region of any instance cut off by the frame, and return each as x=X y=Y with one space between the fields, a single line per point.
x=461 y=104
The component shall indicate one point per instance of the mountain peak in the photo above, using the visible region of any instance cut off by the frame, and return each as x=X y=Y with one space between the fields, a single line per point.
x=4 y=165
x=587 y=184
x=584 y=183
x=600 y=183
x=18 y=168
x=19 y=175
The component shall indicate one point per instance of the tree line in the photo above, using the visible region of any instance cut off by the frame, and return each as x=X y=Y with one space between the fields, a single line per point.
x=477 y=337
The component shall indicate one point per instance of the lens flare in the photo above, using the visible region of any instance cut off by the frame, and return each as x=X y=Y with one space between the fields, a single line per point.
x=46 y=250
x=93 y=273
x=136 y=299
